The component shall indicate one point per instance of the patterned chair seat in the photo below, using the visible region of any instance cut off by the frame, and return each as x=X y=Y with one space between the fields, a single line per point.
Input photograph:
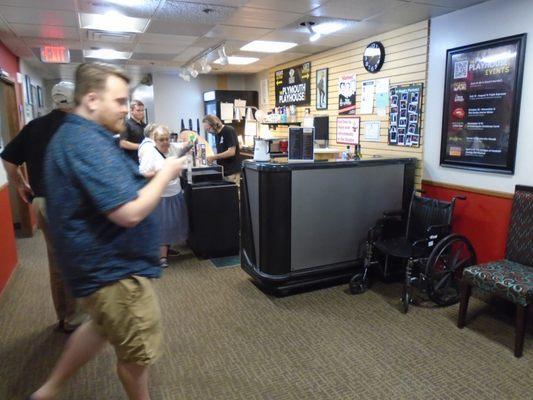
x=504 y=278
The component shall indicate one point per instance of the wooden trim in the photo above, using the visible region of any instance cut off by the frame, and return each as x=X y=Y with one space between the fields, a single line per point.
x=485 y=192
x=7 y=80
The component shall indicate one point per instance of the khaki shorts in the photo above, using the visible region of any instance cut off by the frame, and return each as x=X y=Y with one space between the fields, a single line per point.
x=127 y=313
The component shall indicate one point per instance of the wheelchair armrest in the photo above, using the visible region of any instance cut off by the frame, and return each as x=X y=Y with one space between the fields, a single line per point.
x=437 y=230
x=393 y=213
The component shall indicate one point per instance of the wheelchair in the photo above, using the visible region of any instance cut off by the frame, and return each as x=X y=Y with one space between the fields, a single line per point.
x=434 y=258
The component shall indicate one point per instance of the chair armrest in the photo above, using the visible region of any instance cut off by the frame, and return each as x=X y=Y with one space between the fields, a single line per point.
x=393 y=213
x=437 y=230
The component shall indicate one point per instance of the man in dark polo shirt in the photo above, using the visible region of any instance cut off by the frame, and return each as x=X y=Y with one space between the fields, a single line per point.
x=105 y=234
x=133 y=135
x=228 y=152
x=29 y=147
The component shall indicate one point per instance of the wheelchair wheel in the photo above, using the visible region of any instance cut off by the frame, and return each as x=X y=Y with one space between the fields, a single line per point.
x=445 y=266
x=358 y=284
x=406 y=299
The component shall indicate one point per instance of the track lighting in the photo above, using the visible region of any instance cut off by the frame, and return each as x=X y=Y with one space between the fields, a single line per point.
x=205 y=68
x=314 y=36
x=222 y=55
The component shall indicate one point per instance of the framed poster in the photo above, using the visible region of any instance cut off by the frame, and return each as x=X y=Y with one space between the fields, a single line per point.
x=293 y=85
x=347 y=91
x=348 y=130
x=481 y=105
x=40 y=102
x=27 y=88
x=322 y=89
x=405 y=114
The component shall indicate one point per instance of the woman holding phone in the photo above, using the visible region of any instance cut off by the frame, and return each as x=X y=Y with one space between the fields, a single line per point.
x=172 y=210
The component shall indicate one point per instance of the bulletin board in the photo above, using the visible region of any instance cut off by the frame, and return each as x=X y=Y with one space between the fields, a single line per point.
x=405 y=115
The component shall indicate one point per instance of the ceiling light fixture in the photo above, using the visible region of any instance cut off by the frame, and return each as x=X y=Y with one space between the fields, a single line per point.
x=205 y=68
x=192 y=71
x=106 y=54
x=267 y=46
x=326 y=28
x=222 y=57
x=314 y=35
x=237 y=60
x=113 y=21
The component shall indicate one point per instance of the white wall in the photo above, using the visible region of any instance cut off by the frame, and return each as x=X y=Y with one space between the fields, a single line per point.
x=491 y=20
x=175 y=99
x=253 y=82
x=3 y=176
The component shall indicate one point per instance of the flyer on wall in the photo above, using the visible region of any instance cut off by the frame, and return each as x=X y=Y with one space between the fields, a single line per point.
x=347 y=91
x=482 y=96
x=348 y=130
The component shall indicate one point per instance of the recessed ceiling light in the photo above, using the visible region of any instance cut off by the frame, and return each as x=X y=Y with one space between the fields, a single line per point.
x=113 y=21
x=326 y=28
x=236 y=60
x=107 y=54
x=266 y=46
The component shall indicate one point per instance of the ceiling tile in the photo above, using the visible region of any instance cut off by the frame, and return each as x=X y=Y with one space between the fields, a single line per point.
x=297 y=6
x=178 y=11
x=236 y=32
x=144 y=9
x=46 y=31
x=157 y=38
x=355 y=10
x=93 y=45
x=407 y=14
x=42 y=4
x=188 y=53
x=259 y=18
x=206 y=42
x=153 y=56
x=159 y=48
x=232 y=3
x=183 y=28
x=456 y=4
x=310 y=48
x=26 y=15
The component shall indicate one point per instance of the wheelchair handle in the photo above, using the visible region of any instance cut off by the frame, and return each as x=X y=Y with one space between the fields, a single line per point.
x=460 y=197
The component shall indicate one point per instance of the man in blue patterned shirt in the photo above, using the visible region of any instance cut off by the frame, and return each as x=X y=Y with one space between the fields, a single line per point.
x=99 y=210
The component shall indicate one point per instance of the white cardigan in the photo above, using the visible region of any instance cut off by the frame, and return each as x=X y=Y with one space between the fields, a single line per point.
x=150 y=160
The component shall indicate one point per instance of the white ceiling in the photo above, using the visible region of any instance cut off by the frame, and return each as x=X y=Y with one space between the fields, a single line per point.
x=179 y=31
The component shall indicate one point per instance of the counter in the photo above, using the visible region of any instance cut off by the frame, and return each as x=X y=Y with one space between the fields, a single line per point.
x=304 y=223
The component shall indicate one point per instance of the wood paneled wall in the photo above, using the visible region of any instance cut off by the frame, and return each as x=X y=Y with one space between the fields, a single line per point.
x=406 y=56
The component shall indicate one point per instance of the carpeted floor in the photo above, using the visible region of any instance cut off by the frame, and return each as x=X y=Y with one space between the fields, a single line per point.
x=227 y=340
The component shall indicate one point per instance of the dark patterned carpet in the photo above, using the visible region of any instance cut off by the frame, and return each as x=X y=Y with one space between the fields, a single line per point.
x=227 y=340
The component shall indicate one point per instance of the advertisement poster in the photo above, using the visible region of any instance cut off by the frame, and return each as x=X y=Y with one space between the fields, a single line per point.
x=347 y=91
x=404 y=116
x=382 y=96
x=481 y=105
x=367 y=97
x=322 y=89
x=293 y=85
x=371 y=130
x=348 y=130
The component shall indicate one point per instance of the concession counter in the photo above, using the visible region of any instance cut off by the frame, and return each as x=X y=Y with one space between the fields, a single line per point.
x=305 y=223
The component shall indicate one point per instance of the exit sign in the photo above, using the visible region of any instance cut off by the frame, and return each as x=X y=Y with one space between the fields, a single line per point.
x=55 y=54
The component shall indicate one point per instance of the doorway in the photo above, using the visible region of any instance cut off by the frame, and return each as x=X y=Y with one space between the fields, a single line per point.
x=9 y=128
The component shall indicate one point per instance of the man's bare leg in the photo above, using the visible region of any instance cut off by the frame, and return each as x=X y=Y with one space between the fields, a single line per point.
x=82 y=345
x=134 y=378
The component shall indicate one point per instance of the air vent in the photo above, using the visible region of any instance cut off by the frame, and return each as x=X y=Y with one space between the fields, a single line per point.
x=115 y=37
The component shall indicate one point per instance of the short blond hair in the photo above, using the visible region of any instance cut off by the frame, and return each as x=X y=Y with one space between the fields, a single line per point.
x=92 y=77
x=160 y=130
x=213 y=121
x=149 y=130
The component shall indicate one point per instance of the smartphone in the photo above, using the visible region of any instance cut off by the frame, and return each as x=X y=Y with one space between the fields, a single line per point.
x=185 y=150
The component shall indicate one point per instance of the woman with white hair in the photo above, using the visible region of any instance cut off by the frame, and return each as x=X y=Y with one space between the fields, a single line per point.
x=172 y=210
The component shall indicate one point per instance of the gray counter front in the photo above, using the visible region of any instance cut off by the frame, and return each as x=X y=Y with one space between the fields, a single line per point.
x=304 y=223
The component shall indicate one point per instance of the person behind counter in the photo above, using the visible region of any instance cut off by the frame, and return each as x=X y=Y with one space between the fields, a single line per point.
x=133 y=135
x=172 y=211
x=227 y=148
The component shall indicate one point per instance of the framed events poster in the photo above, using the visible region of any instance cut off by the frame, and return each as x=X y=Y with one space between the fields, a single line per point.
x=481 y=105
x=348 y=130
x=347 y=92
x=293 y=85
x=322 y=89
x=405 y=115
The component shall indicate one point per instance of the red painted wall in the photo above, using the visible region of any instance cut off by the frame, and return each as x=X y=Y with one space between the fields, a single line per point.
x=8 y=249
x=482 y=218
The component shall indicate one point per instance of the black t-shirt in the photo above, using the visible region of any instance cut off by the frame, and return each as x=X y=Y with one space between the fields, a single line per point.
x=134 y=133
x=29 y=147
x=225 y=139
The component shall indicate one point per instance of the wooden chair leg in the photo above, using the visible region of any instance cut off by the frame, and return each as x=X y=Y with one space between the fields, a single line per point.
x=466 y=290
x=521 y=320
